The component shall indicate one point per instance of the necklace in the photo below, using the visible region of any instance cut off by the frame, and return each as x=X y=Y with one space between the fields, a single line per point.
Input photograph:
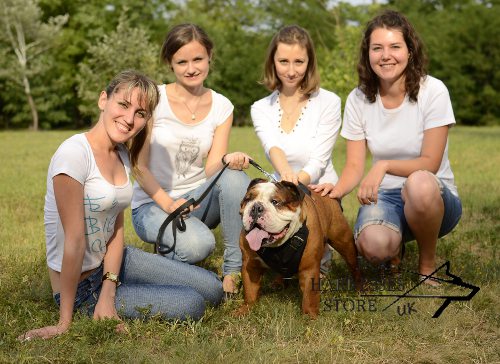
x=284 y=124
x=193 y=112
x=289 y=114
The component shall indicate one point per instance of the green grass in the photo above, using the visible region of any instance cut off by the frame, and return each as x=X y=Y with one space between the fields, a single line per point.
x=275 y=331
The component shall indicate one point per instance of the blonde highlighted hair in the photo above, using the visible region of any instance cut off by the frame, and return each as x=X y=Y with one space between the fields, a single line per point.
x=148 y=97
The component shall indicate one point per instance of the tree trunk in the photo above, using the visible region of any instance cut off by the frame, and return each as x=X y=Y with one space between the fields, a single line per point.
x=31 y=102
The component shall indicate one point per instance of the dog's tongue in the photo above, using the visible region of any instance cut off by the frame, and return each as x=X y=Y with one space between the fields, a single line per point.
x=255 y=237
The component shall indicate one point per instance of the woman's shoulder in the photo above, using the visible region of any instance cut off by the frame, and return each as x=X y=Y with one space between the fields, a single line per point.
x=357 y=96
x=220 y=99
x=74 y=143
x=432 y=84
x=327 y=95
x=266 y=101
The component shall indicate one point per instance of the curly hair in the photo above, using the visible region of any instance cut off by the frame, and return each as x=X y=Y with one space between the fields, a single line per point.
x=416 y=69
x=292 y=34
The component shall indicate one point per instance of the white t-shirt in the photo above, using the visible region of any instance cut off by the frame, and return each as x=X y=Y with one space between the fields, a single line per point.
x=102 y=201
x=178 y=150
x=309 y=145
x=398 y=133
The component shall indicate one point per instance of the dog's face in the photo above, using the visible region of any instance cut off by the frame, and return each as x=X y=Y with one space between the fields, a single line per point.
x=270 y=213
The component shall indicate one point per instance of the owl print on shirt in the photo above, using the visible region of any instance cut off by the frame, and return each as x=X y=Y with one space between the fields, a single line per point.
x=186 y=155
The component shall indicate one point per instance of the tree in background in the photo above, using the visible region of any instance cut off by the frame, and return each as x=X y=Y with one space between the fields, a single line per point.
x=28 y=39
x=240 y=47
x=461 y=36
x=125 y=48
x=463 y=44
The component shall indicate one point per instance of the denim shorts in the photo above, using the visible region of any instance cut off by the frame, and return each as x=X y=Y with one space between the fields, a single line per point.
x=389 y=211
x=87 y=292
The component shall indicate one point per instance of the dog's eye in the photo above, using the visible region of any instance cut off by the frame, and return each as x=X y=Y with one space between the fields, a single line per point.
x=275 y=202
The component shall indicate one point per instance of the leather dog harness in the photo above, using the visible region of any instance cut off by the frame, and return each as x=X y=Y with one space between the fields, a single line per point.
x=285 y=259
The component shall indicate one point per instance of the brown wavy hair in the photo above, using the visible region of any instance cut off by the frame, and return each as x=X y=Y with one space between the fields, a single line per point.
x=292 y=34
x=416 y=69
x=149 y=96
x=179 y=36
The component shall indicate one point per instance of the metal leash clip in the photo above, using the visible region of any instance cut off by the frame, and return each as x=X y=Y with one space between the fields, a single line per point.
x=267 y=174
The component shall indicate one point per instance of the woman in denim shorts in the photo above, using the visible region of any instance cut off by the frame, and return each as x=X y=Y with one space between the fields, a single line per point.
x=402 y=116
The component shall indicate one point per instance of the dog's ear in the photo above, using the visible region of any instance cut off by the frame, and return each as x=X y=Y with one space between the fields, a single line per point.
x=296 y=191
x=256 y=181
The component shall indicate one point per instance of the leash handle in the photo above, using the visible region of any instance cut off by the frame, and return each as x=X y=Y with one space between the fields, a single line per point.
x=179 y=224
x=177 y=219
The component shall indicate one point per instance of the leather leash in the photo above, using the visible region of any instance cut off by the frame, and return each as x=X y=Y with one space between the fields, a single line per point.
x=177 y=216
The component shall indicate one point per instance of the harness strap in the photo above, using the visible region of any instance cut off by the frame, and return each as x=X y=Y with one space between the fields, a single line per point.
x=177 y=217
x=285 y=259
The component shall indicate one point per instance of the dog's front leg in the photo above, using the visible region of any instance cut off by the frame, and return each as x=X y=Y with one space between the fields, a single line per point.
x=310 y=287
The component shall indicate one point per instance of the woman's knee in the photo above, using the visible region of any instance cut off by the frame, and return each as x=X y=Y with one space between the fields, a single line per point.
x=422 y=190
x=193 y=245
x=234 y=183
x=146 y=220
x=190 y=305
x=378 y=243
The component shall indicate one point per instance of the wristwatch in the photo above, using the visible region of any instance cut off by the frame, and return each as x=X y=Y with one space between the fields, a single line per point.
x=112 y=277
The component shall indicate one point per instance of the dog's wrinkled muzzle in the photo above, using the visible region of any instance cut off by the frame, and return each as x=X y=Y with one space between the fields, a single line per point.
x=256 y=210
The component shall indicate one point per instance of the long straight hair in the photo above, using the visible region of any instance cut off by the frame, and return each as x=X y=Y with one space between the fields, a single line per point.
x=148 y=95
x=292 y=34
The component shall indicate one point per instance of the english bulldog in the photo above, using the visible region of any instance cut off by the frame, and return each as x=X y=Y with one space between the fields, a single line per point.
x=286 y=230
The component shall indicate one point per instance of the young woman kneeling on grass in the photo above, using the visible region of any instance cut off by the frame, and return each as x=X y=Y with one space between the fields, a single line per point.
x=88 y=187
x=402 y=116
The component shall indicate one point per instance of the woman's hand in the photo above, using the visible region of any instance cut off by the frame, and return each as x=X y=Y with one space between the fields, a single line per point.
x=46 y=332
x=290 y=176
x=105 y=309
x=368 y=189
x=176 y=204
x=237 y=160
x=326 y=189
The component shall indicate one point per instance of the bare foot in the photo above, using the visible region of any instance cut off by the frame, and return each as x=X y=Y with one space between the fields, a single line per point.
x=429 y=280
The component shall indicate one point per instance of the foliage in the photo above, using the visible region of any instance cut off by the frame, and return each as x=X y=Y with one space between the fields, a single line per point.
x=461 y=38
x=127 y=47
x=28 y=40
x=275 y=332
x=463 y=44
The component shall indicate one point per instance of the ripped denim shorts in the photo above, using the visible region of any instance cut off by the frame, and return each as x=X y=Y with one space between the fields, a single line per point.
x=389 y=212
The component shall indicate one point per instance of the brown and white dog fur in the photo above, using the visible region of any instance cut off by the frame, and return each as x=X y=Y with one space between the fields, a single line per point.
x=271 y=214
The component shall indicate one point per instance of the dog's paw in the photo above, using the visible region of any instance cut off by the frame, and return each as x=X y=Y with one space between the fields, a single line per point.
x=242 y=311
x=313 y=315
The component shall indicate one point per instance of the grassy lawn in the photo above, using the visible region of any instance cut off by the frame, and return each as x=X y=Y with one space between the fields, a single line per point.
x=275 y=332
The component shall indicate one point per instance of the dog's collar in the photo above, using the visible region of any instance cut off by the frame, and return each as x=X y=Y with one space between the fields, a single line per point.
x=285 y=259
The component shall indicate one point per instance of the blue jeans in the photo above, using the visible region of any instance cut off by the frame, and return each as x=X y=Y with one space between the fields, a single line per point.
x=197 y=242
x=153 y=285
x=389 y=212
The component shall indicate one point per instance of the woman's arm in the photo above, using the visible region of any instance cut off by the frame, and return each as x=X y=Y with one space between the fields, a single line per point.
x=149 y=183
x=69 y=199
x=220 y=143
x=281 y=165
x=351 y=174
x=105 y=307
x=431 y=155
x=324 y=139
x=268 y=137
